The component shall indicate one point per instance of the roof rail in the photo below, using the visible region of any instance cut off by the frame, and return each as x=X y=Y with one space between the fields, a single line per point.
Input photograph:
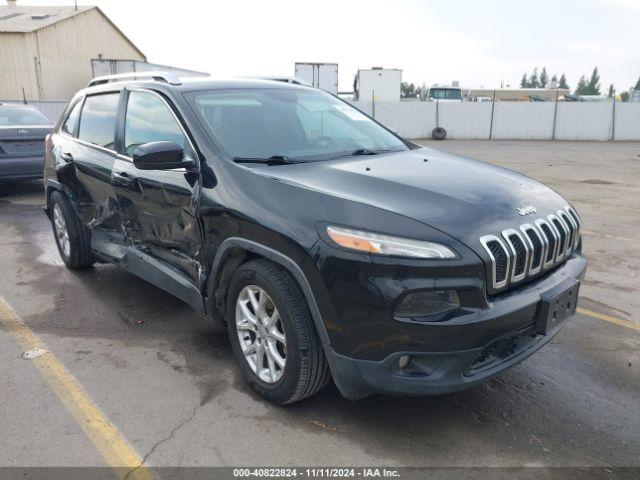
x=166 y=77
x=292 y=80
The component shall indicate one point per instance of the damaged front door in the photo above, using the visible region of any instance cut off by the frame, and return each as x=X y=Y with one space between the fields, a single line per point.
x=159 y=207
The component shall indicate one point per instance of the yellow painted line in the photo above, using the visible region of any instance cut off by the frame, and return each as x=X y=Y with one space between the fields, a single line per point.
x=115 y=450
x=608 y=318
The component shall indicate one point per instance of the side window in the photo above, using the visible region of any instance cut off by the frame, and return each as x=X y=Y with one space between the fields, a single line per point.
x=98 y=119
x=71 y=123
x=149 y=119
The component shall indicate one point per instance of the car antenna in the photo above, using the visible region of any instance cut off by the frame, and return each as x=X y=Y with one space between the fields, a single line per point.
x=24 y=97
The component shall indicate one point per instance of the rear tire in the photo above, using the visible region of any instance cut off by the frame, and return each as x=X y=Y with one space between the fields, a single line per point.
x=276 y=294
x=72 y=237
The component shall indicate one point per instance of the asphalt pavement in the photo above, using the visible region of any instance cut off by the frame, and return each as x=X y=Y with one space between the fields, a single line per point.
x=164 y=380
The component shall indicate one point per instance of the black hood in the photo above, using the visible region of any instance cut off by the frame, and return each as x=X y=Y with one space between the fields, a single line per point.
x=462 y=197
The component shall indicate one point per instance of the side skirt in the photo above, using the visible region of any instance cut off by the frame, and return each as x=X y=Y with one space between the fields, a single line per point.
x=151 y=270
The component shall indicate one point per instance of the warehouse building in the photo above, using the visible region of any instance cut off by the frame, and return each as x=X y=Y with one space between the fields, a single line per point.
x=47 y=52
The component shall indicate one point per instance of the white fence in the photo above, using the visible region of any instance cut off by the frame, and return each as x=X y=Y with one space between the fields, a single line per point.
x=486 y=120
x=510 y=120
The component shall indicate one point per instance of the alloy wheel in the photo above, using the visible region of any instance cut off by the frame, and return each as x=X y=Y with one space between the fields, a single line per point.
x=60 y=228
x=261 y=333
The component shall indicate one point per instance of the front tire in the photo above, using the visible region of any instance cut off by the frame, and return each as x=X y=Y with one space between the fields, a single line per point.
x=72 y=237
x=272 y=334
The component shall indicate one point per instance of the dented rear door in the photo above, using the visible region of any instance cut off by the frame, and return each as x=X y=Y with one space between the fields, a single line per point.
x=84 y=158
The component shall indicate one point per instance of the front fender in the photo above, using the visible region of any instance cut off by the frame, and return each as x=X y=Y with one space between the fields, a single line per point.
x=286 y=262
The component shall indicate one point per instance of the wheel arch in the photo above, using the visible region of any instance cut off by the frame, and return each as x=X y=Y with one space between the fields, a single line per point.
x=235 y=251
x=50 y=186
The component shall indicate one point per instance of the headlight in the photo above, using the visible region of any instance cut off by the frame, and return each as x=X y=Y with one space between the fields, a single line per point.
x=387 y=245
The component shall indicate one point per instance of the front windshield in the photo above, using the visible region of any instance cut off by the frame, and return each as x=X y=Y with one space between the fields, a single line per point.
x=445 y=94
x=18 y=115
x=299 y=124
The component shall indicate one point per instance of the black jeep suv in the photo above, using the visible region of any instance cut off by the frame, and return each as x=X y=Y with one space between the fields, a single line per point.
x=329 y=245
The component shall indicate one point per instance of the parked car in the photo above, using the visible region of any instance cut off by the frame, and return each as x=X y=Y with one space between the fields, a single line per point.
x=328 y=244
x=22 y=132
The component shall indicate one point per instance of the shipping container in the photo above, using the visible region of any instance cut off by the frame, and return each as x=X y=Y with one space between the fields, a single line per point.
x=320 y=75
x=378 y=85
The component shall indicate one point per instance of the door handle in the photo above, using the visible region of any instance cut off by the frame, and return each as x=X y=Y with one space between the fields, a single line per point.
x=67 y=157
x=123 y=178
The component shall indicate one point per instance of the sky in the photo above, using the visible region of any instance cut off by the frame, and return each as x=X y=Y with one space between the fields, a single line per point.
x=479 y=43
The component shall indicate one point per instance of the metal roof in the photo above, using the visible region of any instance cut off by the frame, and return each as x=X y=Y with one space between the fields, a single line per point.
x=33 y=18
x=24 y=19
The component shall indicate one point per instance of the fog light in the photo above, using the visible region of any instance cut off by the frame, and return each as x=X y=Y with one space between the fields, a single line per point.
x=403 y=361
x=428 y=303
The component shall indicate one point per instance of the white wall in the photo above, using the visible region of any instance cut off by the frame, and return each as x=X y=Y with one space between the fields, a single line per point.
x=472 y=120
x=627 y=124
x=464 y=120
x=523 y=120
x=585 y=121
x=511 y=120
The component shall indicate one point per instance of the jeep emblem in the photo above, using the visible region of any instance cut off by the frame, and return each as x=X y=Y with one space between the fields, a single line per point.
x=527 y=210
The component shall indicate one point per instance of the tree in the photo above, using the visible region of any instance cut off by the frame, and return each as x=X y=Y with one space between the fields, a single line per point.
x=544 y=78
x=637 y=87
x=407 y=90
x=554 y=79
x=593 y=87
x=533 y=81
x=563 y=82
x=624 y=96
x=582 y=86
x=524 y=83
x=612 y=91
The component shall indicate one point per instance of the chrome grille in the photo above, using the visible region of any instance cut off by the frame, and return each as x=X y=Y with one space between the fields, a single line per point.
x=561 y=229
x=519 y=253
x=551 y=237
x=537 y=246
x=576 y=221
x=571 y=225
x=533 y=248
x=499 y=259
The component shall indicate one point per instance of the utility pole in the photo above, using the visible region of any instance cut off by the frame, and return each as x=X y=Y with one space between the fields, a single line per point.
x=555 y=117
x=493 y=106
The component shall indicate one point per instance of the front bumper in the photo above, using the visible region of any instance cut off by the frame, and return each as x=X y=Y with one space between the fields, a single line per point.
x=17 y=169
x=471 y=350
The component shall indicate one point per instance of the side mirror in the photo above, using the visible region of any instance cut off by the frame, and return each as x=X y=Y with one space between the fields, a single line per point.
x=163 y=155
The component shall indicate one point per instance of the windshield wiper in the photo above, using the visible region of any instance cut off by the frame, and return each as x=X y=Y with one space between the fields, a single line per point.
x=273 y=160
x=362 y=151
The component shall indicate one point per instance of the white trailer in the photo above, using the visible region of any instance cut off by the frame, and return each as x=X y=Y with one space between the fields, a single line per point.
x=320 y=75
x=378 y=85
